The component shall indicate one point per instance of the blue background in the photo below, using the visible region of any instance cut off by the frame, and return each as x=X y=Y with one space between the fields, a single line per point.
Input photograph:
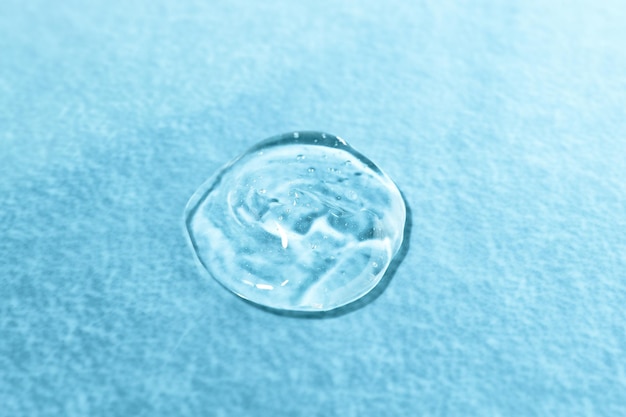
x=503 y=123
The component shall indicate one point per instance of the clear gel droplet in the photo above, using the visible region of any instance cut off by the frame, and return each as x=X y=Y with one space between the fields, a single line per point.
x=259 y=244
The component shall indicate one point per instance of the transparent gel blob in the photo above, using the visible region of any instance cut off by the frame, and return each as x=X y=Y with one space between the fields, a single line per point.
x=299 y=222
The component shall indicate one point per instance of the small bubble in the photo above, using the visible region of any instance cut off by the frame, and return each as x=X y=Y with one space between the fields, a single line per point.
x=262 y=191
x=300 y=157
x=311 y=170
x=296 y=135
x=338 y=197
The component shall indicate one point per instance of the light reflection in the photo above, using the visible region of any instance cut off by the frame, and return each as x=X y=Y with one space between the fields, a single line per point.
x=264 y=287
x=284 y=240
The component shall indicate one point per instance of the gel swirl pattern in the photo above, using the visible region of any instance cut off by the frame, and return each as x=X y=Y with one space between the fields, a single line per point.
x=299 y=222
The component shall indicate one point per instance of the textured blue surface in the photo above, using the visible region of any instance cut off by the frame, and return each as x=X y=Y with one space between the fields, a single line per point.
x=504 y=124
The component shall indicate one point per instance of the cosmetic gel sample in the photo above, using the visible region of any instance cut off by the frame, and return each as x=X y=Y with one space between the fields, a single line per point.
x=299 y=222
